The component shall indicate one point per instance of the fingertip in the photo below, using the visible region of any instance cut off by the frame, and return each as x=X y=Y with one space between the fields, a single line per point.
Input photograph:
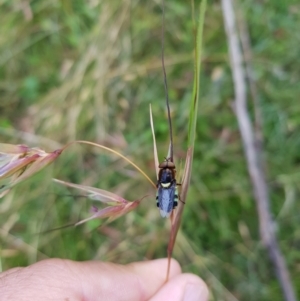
x=184 y=287
x=195 y=288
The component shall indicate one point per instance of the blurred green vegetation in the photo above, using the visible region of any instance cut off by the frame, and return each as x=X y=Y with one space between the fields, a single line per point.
x=89 y=70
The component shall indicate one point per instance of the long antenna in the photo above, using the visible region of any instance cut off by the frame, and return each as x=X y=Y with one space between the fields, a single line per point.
x=165 y=79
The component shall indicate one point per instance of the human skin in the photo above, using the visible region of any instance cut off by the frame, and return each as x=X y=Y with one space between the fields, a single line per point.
x=66 y=280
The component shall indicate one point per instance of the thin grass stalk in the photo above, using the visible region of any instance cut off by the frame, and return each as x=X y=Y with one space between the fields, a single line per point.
x=156 y=162
x=170 y=155
x=176 y=220
x=253 y=157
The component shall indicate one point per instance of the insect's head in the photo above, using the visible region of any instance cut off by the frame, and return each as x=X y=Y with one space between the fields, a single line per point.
x=167 y=164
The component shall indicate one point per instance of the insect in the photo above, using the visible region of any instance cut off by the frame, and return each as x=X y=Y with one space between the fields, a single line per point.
x=167 y=192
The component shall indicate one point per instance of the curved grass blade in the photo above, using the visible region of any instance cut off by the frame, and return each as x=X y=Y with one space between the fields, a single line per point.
x=114 y=152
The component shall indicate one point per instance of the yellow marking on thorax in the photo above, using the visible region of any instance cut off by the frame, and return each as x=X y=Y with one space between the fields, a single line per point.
x=165 y=185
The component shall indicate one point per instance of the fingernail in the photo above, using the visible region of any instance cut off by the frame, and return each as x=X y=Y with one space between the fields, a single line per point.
x=193 y=292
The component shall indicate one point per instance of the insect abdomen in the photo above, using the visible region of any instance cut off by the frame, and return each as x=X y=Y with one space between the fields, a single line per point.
x=167 y=199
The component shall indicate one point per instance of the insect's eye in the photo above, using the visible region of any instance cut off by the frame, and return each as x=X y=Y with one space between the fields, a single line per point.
x=163 y=164
x=167 y=164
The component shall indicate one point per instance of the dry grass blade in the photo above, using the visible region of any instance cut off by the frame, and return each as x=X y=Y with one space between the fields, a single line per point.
x=112 y=212
x=19 y=162
x=38 y=165
x=95 y=193
x=154 y=144
x=13 y=149
x=118 y=206
x=16 y=165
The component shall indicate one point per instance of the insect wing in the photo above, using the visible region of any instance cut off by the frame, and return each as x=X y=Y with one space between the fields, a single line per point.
x=166 y=199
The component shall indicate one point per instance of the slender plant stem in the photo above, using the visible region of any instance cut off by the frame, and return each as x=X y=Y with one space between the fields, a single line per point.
x=176 y=218
x=165 y=79
x=253 y=157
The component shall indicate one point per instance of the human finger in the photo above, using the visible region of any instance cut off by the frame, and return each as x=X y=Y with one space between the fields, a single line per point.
x=57 y=279
x=184 y=287
x=135 y=281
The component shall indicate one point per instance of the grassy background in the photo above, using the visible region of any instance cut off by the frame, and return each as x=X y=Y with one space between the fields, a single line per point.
x=88 y=70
